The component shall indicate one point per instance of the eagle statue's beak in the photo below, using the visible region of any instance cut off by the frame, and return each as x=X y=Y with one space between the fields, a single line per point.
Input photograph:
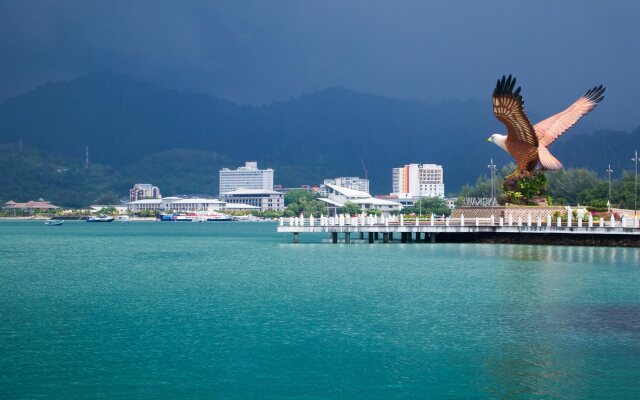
x=489 y=140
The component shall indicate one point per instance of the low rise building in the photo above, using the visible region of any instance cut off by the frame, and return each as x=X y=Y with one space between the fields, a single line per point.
x=196 y=204
x=338 y=196
x=31 y=206
x=267 y=200
x=177 y=204
x=240 y=207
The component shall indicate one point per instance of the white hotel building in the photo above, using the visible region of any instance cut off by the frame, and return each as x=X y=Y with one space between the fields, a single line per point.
x=246 y=177
x=418 y=180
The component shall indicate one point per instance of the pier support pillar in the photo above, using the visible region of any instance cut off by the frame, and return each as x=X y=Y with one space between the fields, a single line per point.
x=347 y=237
x=296 y=237
x=385 y=237
x=377 y=235
x=370 y=237
x=409 y=237
x=361 y=235
x=432 y=237
x=403 y=237
x=390 y=235
x=334 y=237
x=418 y=237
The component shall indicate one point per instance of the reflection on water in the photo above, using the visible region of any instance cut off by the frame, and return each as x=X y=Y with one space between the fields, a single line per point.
x=564 y=254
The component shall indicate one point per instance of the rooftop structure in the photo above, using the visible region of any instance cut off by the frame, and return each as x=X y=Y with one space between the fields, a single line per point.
x=349 y=182
x=29 y=206
x=307 y=188
x=246 y=177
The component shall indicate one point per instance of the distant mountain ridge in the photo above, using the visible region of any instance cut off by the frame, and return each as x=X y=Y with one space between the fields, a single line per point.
x=307 y=138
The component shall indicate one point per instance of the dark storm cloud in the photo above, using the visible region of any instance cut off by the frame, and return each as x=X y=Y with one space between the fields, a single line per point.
x=258 y=51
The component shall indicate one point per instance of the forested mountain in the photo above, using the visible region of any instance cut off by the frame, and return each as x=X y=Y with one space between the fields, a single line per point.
x=180 y=139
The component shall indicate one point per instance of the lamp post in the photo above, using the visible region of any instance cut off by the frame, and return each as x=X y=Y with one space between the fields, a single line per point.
x=635 y=190
x=609 y=171
x=492 y=167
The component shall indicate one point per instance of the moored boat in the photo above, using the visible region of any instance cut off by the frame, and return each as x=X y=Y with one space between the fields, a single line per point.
x=196 y=217
x=217 y=217
x=101 y=218
x=53 y=222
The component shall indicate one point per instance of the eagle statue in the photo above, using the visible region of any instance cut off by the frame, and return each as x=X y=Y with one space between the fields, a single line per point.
x=526 y=143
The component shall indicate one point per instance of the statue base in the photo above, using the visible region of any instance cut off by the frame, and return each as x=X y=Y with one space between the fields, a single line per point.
x=525 y=188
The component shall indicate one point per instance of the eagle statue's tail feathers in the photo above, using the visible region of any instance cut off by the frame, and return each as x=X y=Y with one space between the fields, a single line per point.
x=547 y=160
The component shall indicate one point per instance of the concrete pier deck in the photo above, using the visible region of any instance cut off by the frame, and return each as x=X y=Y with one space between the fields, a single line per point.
x=625 y=232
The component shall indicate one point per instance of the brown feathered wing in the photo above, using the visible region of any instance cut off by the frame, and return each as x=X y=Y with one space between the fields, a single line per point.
x=550 y=129
x=508 y=107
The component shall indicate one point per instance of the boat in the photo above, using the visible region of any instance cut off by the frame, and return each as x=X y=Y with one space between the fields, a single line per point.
x=196 y=217
x=217 y=217
x=122 y=218
x=167 y=217
x=53 y=222
x=101 y=218
x=247 y=218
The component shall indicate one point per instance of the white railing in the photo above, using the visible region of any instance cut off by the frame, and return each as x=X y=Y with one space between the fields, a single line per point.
x=342 y=220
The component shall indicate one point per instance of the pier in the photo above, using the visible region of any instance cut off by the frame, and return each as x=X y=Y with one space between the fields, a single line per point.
x=375 y=229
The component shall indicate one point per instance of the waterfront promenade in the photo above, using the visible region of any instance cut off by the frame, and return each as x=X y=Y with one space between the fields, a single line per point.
x=624 y=232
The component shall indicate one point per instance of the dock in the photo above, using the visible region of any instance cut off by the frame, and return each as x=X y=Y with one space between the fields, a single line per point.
x=376 y=229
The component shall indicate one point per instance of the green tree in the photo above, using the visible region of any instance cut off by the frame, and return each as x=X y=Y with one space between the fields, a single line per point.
x=303 y=202
x=295 y=196
x=567 y=184
x=108 y=210
x=432 y=205
x=351 y=208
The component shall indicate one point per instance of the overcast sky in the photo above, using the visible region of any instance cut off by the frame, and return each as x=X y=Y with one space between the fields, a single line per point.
x=260 y=51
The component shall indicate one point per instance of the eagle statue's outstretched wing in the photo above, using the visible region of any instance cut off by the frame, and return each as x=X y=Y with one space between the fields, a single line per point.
x=550 y=129
x=508 y=107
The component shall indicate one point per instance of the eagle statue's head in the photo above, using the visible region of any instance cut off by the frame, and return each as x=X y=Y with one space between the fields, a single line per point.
x=499 y=140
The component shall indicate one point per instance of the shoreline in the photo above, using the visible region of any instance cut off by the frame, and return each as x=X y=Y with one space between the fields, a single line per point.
x=131 y=219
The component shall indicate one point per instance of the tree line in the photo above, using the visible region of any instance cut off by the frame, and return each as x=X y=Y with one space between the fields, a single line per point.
x=569 y=186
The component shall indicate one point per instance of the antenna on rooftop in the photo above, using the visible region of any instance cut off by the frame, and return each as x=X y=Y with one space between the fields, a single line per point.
x=86 y=156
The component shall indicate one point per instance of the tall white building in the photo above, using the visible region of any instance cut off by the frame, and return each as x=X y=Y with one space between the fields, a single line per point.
x=418 y=180
x=349 y=182
x=247 y=177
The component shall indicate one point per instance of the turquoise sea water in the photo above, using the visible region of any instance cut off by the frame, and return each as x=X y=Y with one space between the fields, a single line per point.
x=234 y=311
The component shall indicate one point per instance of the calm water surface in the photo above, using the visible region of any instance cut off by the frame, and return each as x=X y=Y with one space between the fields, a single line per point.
x=234 y=311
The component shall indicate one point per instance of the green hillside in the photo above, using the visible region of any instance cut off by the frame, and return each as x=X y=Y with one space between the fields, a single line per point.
x=178 y=140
